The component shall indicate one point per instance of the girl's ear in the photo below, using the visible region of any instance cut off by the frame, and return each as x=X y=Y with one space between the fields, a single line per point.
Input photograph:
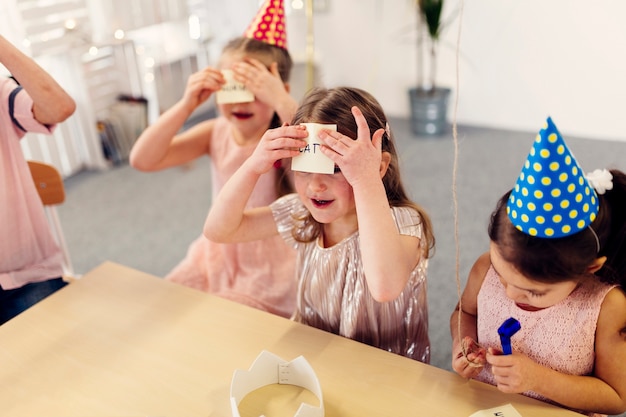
x=596 y=264
x=384 y=163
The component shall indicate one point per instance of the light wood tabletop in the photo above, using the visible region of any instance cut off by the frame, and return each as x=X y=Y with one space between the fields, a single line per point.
x=120 y=342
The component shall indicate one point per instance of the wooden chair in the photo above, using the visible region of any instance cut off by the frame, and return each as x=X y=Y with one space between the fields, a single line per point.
x=51 y=189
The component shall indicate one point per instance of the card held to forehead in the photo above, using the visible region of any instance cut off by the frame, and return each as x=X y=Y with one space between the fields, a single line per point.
x=233 y=91
x=311 y=158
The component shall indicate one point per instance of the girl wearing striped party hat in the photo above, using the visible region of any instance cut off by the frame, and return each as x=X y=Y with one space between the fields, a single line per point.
x=557 y=264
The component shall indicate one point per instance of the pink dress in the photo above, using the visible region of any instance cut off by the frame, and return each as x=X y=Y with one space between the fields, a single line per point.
x=333 y=293
x=28 y=252
x=260 y=273
x=561 y=337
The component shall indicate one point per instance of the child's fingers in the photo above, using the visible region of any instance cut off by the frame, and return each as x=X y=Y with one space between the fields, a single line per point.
x=494 y=352
x=377 y=139
x=212 y=74
x=297 y=131
x=363 y=130
x=287 y=137
x=257 y=64
x=274 y=69
x=209 y=81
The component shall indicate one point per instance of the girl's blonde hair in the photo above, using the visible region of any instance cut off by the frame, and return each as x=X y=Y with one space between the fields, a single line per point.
x=333 y=106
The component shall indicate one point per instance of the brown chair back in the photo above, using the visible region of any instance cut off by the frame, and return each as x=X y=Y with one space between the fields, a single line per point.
x=51 y=189
x=49 y=183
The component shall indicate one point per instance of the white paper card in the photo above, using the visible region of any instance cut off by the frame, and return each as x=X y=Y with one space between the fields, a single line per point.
x=311 y=158
x=506 y=410
x=233 y=91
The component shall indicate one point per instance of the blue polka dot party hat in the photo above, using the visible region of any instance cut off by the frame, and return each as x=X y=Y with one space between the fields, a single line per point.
x=552 y=197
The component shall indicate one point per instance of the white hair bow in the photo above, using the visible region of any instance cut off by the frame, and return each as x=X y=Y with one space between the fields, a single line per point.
x=601 y=180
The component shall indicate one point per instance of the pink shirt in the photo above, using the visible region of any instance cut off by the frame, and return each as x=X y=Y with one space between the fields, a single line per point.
x=560 y=337
x=261 y=273
x=28 y=252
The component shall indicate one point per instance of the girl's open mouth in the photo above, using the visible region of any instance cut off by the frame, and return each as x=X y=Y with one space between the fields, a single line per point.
x=528 y=307
x=242 y=116
x=321 y=203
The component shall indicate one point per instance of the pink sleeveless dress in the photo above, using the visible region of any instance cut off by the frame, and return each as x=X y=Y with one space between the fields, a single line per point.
x=560 y=337
x=260 y=273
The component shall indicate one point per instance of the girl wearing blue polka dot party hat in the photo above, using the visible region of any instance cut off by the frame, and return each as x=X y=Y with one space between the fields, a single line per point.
x=557 y=264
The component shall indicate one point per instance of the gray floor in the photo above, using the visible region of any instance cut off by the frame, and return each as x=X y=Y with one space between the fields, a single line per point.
x=146 y=221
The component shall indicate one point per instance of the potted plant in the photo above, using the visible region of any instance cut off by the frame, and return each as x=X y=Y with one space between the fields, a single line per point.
x=429 y=100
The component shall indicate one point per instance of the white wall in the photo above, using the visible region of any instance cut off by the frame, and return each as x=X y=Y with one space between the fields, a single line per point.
x=520 y=60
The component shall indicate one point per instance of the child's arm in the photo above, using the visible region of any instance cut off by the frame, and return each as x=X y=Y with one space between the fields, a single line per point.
x=603 y=392
x=468 y=335
x=228 y=221
x=267 y=86
x=388 y=257
x=159 y=146
x=51 y=104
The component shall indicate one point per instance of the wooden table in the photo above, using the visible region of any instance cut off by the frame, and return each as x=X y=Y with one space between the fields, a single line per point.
x=119 y=342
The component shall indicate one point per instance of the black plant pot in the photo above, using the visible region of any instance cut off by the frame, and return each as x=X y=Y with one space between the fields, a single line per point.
x=429 y=111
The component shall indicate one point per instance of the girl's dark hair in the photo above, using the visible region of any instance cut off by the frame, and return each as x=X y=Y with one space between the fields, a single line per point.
x=333 y=106
x=267 y=54
x=566 y=258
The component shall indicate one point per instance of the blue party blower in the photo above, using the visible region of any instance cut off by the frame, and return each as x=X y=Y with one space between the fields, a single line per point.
x=506 y=331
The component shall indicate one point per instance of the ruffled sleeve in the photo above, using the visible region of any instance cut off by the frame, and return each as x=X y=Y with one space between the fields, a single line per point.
x=408 y=221
x=286 y=210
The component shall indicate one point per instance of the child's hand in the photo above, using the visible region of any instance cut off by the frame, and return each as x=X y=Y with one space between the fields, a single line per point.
x=515 y=373
x=360 y=159
x=266 y=85
x=201 y=85
x=283 y=142
x=468 y=358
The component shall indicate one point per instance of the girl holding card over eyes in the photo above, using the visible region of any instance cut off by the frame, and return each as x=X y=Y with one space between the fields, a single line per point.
x=557 y=264
x=362 y=244
x=252 y=95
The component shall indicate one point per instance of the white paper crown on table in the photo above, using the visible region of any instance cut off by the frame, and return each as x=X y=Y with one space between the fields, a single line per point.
x=269 y=369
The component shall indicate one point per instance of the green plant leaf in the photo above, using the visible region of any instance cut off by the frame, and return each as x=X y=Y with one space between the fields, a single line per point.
x=431 y=11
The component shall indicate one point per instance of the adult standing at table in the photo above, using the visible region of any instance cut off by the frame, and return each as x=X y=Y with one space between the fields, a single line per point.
x=30 y=259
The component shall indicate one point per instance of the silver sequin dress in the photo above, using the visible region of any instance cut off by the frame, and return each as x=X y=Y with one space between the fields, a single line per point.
x=333 y=295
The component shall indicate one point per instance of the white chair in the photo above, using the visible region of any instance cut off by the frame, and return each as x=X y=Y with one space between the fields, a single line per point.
x=51 y=189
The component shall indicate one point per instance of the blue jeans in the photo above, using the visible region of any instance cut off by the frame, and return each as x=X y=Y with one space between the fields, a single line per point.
x=13 y=302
